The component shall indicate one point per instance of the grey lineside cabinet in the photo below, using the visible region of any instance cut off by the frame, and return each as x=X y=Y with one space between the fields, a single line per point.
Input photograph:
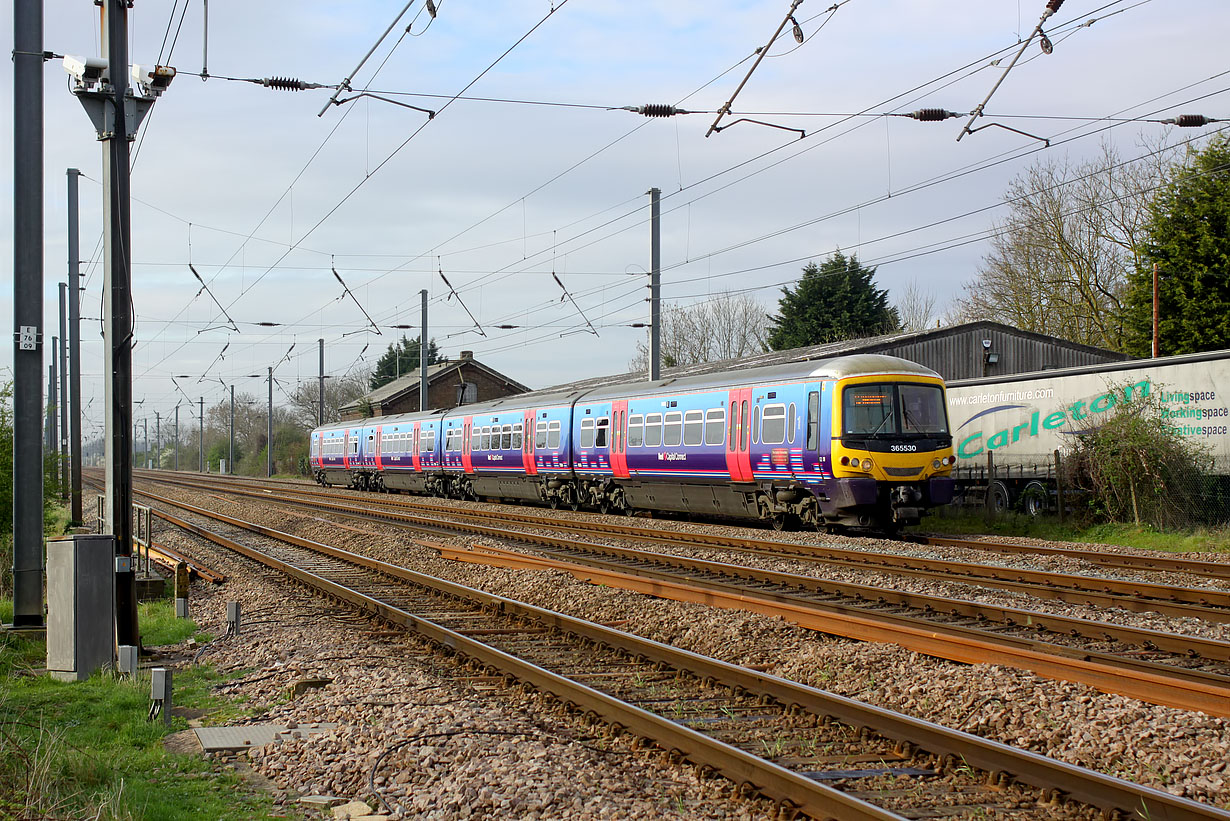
x=80 y=605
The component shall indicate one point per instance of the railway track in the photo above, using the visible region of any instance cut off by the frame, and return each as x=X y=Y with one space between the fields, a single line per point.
x=1134 y=595
x=1159 y=562
x=811 y=752
x=1161 y=668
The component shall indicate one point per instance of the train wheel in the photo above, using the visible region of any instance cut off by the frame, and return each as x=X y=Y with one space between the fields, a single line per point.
x=604 y=507
x=779 y=522
x=574 y=505
x=554 y=503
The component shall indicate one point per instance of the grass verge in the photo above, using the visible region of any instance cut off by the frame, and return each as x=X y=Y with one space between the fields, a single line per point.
x=85 y=749
x=1201 y=540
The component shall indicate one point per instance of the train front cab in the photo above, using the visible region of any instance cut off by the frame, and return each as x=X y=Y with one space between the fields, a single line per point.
x=890 y=453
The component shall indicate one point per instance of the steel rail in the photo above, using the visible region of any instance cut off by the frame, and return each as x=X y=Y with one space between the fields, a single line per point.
x=1123 y=561
x=1211 y=605
x=1151 y=563
x=1185 y=690
x=1004 y=763
x=1156 y=683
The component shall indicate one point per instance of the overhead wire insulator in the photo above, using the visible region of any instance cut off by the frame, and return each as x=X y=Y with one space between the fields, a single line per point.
x=287 y=84
x=656 y=110
x=431 y=9
x=1189 y=120
x=932 y=115
x=1052 y=6
x=797 y=31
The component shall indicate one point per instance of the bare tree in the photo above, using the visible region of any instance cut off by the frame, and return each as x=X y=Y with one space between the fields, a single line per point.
x=915 y=307
x=1059 y=262
x=339 y=391
x=726 y=326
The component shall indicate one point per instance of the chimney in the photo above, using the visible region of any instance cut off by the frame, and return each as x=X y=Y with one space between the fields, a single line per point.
x=467 y=354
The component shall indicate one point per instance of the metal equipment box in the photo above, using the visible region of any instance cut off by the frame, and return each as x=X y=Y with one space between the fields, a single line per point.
x=80 y=605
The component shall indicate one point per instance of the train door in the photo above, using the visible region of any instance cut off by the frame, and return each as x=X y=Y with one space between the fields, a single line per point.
x=619 y=439
x=346 y=449
x=416 y=458
x=467 y=460
x=527 y=445
x=738 y=439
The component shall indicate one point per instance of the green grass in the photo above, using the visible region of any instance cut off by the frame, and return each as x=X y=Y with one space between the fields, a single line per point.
x=1048 y=527
x=85 y=749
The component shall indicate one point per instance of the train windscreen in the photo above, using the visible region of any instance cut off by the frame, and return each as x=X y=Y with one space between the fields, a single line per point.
x=893 y=409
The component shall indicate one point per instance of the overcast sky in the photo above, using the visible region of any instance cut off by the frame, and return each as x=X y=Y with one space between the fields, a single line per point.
x=263 y=197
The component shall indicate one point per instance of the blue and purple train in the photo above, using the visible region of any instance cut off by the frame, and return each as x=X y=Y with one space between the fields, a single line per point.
x=850 y=442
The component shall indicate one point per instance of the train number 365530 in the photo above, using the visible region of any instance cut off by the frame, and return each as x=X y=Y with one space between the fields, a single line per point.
x=904 y=448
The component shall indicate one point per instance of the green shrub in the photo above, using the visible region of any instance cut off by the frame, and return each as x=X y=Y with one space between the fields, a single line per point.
x=1134 y=467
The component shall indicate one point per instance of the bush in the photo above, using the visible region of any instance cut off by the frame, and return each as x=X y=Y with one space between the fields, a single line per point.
x=1135 y=468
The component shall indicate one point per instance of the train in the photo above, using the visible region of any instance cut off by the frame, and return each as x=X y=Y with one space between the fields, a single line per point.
x=852 y=442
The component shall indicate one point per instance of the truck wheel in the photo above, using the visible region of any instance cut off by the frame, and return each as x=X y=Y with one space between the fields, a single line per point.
x=1001 y=497
x=1034 y=499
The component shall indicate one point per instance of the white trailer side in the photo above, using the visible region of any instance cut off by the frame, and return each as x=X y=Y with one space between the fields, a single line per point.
x=1021 y=420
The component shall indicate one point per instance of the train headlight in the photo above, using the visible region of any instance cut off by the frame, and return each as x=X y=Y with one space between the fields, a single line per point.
x=936 y=464
x=866 y=464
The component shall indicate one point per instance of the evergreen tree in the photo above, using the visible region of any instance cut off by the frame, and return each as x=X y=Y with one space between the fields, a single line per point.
x=833 y=301
x=401 y=359
x=1188 y=236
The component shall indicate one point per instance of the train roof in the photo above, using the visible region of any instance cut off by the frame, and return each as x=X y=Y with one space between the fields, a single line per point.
x=838 y=367
x=835 y=368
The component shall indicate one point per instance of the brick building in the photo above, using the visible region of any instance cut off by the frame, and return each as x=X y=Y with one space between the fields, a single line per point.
x=450 y=383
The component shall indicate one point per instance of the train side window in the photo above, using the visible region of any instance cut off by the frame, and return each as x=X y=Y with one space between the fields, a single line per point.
x=587 y=434
x=731 y=438
x=673 y=431
x=693 y=427
x=813 y=420
x=553 y=435
x=756 y=425
x=600 y=431
x=653 y=430
x=540 y=435
x=743 y=427
x=354 y=446
x=791 y=422
x=636 y=430
x=715 y=426
x=431 y=441
x=506 y=438
x=773 y=425
x=516 y=437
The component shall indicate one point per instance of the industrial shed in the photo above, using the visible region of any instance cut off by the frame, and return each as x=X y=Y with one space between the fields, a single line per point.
x=969 y=351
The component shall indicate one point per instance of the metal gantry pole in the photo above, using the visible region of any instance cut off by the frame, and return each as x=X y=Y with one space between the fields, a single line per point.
x=74 y=344
x=62 y=351
x=655 y=285
x=158 y=438
x=230 y=456
x=27 y=312
x=269 y=440
x=117 y=316
x=423 y=356
x=320 y=408
x=145 y=426
x=200 y=438
x=177 y=437
x=49 y=429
